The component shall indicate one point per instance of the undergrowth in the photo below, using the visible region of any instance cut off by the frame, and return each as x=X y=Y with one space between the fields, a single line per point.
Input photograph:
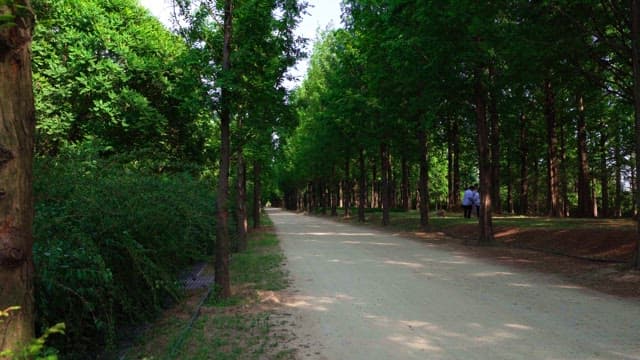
x=110 y=240
x=229 y=329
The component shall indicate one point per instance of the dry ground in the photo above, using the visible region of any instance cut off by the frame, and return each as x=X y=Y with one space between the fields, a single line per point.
x=596 y=258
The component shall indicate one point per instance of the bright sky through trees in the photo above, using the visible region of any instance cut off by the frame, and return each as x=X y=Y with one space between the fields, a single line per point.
x=320 y=15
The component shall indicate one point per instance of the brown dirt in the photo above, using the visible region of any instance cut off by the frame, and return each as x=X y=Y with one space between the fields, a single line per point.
x=595 y=258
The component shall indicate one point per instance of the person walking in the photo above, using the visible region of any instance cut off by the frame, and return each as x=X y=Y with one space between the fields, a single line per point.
x=476 y=201
x=467 y=201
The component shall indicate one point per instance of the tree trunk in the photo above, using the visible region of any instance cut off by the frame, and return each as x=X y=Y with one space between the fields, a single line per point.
x=374 y=191
x=495 y=149
x=17 y=127
x=564 y=183
x=594 y=200
x=405 y=184
x=635 y=58
x=241 y=207
x=346 y=187
x=618 y=196
x=456 y=165
x=450 y=192
x=537 y=188
x=322 y=194
x=585 y=206
x=222 y=280
x=604 y=171
x=484 y=160
x=453 y=165
x=553 y=161
x=423 y=186
x=386 y=191
x=362 y=187
x=257 y=194
x=335 y=192
x=524 y=168
x=510 y=188
x=392 y=185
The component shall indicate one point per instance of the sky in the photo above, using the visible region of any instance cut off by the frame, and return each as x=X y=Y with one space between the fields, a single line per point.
x=321 y=14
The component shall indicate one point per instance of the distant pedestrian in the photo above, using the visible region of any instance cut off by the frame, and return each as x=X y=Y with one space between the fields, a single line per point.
x=476 y=201
x=467 y=201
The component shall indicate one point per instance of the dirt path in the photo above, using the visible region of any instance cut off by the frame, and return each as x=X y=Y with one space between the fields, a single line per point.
x=362 y=294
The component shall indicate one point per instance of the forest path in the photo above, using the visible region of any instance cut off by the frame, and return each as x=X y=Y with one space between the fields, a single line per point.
x=362 y=294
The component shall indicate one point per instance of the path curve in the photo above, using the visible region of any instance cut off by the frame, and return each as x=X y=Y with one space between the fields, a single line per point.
x=364 y=294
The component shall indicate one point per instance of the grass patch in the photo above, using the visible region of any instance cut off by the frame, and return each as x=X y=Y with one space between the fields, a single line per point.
x=410 y=221
x=231 y=336
x=222 y=303
x=234 y=328
x=260 y=265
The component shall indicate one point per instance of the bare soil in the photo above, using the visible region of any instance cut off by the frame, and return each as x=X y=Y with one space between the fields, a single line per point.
x=595 y=258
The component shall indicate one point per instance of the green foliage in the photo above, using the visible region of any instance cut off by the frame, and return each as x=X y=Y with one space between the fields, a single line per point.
x=109 y=70
x=110 y=241
x=401 y=66
x=35 y=349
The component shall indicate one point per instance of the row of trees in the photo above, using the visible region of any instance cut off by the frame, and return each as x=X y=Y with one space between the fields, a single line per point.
x=110 y=81
x=249 y=45
x=534 y=100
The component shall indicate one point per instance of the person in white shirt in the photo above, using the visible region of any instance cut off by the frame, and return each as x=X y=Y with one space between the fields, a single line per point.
x=467 y=201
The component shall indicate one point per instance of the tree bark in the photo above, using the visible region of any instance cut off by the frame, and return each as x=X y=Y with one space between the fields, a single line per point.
x=242 y=225
x=257 y=194
x=553 y=162
x=456 y=165
x=618 y=196
x=346 y=187
x=484 y=160
x=451 y=194
x=362 y=187
x=635 y=59
x=423 y=186
x=524 y=168
x=495 y=148
x=392 y=185
x=604 y=171
x=322 y=195
x=375 y=203
x=335 y=192
x=17 y=127
x=564 y=183
x=453 y=165
x=510 y=188
x=585 y=205
x=405 y=184
x=221 y=266
x=386 y=191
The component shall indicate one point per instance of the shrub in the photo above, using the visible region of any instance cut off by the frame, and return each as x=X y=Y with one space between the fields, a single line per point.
x=110 y=241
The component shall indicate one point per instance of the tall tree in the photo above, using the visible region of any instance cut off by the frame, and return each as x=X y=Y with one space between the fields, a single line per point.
x=553 y=159
x=17 y=127
x=223 y=242
x=482 y=123
x=635 y=58
x=585 y=202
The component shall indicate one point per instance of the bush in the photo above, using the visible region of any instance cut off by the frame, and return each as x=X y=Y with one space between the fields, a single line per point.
x=110 y=241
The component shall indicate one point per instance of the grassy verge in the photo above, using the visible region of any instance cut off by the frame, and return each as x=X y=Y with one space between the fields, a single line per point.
x=236 y=328
x=410 y=221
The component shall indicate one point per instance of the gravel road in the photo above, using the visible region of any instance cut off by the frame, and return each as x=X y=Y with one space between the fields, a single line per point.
x=363 y=294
